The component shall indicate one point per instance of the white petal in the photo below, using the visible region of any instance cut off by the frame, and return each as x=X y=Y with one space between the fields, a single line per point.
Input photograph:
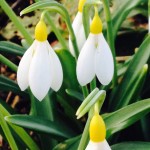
x=40 y=72
x=80 y=36
x=85 y=64
x=71 y=47
x=104 y=64
x=56 y=70
x=79 y=33
x=23 y=68
x=98 y=146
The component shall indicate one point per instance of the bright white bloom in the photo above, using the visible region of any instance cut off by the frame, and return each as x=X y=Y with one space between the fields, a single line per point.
x=95 y=57
x=78 y=28
x=40 y=67
x=98 y=146
x=97 y=134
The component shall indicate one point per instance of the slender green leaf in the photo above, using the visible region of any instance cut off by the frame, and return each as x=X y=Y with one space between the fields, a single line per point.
x=122 y=68
x=136 y=64
x=11 y=48
x=7 y=133
x=7 y=62
x=75 y=94
x=131 y=146
x=20 y=132
x=71 y=144
x=126 y=116
x=41 y=125
x=7 y=84
x=122 y=11
x=133 y=92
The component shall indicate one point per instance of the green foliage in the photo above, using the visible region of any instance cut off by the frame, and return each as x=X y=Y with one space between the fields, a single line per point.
x=53 y=121
x=132 y=145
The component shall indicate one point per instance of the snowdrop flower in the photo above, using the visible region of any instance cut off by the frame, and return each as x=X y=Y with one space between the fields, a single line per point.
x=40 y=67
x=78 y=29
x=95 y=56
x=97 y=134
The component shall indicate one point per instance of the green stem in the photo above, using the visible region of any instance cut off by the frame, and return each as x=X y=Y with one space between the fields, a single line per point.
x=43 y=109
x=85 y=134
x=33 y=110
x=20 y=132
x=85 y=91
x=55 y=30
x=7 y=133
x=16 y=21
x=8 y=63
x=65 y=15
x=110 y=36
x=69 y=25
x=93 y=84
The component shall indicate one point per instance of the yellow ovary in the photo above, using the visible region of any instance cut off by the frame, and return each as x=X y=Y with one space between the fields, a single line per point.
x=41 y=31
x=81 y=4
x=96 y=25
x=97 y=129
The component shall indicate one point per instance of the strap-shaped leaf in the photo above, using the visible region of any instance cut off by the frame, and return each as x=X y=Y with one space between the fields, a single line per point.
x=133 y=92
x=120 y=14
x=11 y=48
x=19 y=131
x=70 y=144
x=135 y=66
x=9 y=85
x=56 y=130
x=131 y=146
x=75 y=94
x=126 y=116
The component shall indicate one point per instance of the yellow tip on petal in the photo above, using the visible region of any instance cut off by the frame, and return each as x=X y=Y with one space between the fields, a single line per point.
x=97 y=129
x=96 y=25
x=81 y=4
x=41 y=31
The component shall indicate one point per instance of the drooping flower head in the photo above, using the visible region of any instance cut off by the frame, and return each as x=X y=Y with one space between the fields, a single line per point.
x=78 y=28
x=95 y=57
x=40 y=67
x=97 y=134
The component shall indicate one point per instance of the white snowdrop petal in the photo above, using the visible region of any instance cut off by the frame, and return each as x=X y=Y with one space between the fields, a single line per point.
x=98 y=146
x=80 y=36
x=56 y=70
x=71 y=47
x=40 y=71
x=23 y=68
x=79 y=33
x=77 y=22
x=104 y=64
x=85 y=64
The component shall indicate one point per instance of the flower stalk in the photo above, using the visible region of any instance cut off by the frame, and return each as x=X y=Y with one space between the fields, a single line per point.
x=54 y=29
x=85 y=134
